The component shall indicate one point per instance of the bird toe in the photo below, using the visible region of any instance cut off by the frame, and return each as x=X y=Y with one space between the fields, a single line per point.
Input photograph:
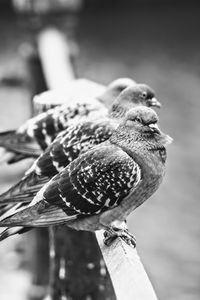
x=113 y=233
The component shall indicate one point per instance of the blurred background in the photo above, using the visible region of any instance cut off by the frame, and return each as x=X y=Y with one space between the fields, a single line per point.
x=153 y=42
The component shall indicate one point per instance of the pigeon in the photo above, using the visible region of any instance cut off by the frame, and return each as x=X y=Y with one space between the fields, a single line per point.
x=31 y=138
x=100 y=188
x=81 y=89
x=73 y=141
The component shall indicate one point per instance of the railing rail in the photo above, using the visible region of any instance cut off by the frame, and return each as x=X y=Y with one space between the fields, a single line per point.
x=127 y=274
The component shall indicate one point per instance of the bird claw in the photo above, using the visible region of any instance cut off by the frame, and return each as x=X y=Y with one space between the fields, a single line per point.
x=113 y=233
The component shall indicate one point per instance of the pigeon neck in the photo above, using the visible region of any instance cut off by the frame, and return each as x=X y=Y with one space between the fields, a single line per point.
x=117 y=111
x=149 y=161
x=152 y=171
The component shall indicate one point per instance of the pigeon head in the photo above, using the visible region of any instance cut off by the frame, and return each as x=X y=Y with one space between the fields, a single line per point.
x=134 y=95
x=143 y=121
x=147 y=96
x=139 y=130
x=115 y=88
x=141 y=115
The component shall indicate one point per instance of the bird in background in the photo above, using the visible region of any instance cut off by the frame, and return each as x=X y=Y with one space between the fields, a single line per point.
x=73 y=141
x=31 y=138
x=100 y=188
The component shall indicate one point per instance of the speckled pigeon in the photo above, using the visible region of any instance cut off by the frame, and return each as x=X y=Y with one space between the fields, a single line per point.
x=103 y=186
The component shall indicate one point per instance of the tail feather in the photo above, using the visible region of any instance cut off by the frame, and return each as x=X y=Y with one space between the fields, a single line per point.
x=24 y=190
x=17 y=157
x=5 y=134
x=4 y=208
x=40 y=215
x=11 y=210
x=19 y=143
x=12 y=231
x=12 y=157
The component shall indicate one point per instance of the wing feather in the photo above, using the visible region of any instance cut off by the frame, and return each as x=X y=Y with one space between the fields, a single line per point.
x=19 y=143
x=24 y=190
x=71 y=143
x=96 y=181
x=39 y=215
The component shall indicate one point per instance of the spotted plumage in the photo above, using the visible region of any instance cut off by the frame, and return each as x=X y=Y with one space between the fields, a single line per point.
x=76 y=139
x=71 y=142
x=91 y=184
x=44 y=128
x=38 y=132
x=104 y=184
x=66 y=147
x=98 y=180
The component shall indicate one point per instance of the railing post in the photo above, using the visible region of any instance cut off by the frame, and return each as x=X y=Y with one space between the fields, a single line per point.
x=78 y=269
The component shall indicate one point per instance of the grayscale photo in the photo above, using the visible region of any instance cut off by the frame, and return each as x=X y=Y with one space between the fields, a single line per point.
x=99 y=150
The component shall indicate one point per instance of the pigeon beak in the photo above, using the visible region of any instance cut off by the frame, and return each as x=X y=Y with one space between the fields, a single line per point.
x=166 y=139
x=154 y=102
x=155 y=127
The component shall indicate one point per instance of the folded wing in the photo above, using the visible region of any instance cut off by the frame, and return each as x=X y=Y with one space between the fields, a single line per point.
x=96 y=181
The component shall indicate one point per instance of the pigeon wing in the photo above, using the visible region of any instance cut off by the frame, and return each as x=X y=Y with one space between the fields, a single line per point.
x=46 y=126
x=98 y=180
x=73 y=141
x=66 y=147
x=24 y=190
x=19 y=143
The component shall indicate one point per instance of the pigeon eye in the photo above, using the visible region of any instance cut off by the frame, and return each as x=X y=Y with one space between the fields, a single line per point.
x=120 y=88
x=144 y=94
x=138 y=119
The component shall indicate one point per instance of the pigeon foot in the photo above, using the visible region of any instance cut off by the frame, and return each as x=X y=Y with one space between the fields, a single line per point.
x=113 y=233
